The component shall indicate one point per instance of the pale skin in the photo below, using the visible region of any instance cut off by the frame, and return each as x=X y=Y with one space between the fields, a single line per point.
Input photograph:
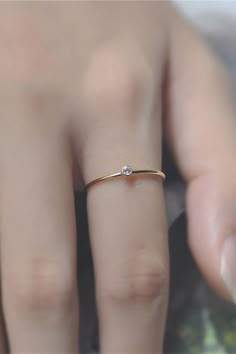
x=86 y=87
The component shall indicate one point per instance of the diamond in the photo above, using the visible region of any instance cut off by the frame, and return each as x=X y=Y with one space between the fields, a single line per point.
x=126 y=170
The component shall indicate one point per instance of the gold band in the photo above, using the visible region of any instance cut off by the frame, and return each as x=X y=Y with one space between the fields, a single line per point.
x=126 y=171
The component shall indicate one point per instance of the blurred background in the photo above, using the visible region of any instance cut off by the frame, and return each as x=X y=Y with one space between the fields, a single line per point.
x=216 y=19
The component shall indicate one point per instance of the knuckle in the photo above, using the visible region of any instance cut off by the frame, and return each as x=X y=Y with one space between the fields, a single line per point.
x=42 y=104
x=26 y=54
x=116 y=80
x=42 y=287
x=34 y=108
x=143 y=282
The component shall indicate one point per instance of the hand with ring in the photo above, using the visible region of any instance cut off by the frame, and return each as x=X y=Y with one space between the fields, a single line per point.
x=88 y=90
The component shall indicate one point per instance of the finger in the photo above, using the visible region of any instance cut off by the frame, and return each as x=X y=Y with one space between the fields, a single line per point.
x=201 y=128
x=37 y=229
x=3 y=336
x=126 y=220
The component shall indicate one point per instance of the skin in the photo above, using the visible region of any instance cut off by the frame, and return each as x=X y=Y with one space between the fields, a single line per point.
x=87 y=87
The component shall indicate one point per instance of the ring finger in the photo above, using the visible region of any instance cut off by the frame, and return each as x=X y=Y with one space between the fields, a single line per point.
x=126 y=220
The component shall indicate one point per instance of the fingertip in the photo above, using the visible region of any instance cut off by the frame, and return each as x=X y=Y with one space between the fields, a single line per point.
x=228 y=265
x=211 y=221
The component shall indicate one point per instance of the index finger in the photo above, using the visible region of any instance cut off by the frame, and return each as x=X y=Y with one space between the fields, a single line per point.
x=201 y=127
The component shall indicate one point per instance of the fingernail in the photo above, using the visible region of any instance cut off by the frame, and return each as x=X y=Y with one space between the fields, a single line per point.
x=228 y=265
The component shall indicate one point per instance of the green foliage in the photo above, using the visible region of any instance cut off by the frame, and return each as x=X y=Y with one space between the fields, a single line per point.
x=201 y=331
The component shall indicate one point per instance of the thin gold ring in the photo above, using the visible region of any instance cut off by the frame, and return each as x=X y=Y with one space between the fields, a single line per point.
x=126 y=171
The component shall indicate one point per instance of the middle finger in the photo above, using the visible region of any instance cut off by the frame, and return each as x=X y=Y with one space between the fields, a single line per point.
x=126 y=220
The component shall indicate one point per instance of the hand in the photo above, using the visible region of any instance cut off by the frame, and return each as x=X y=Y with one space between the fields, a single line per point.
x=82 y=94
